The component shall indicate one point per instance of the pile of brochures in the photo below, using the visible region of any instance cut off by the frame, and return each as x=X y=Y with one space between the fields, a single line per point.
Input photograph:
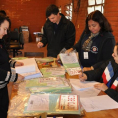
x=49 y=85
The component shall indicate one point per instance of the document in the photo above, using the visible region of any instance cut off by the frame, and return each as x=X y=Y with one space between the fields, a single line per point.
x=38 y=102
x=78 y=85
x=98 y=103
x=30 y=69
x=70 y=63
x=84 y=89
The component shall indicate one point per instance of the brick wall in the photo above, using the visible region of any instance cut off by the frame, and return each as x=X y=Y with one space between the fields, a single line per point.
x=26 y=12
x=79 y=17
x=110 y=12
x=32 y=14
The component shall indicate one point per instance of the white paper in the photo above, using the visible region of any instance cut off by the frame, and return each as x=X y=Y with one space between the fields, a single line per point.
x=29 y=64
x=78 y=85
x=71 y=58
x=87 y=92
x=25 y=69
x=38 y=102
x=98 y=103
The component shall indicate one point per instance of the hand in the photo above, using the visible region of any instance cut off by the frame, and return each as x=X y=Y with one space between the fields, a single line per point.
x=40 y=45
x=82 y=77
x=101 y=86
x=68 y=51
x=20 y=78
x=19 y=64
x=87 y=68
x=58 y=57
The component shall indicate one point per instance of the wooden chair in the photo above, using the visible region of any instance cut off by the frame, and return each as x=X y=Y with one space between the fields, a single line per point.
x=34 y=54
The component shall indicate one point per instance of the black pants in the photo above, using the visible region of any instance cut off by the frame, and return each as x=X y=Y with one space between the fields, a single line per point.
x=4 y=102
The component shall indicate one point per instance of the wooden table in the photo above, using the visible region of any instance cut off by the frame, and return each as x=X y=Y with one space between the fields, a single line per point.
x=98 y=114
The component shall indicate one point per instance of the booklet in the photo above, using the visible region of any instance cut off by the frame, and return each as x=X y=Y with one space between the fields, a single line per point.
x=70 y=63
x=53 y=104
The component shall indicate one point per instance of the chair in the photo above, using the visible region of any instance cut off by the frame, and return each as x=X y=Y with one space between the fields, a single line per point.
x=34 y=54
x=16 y=42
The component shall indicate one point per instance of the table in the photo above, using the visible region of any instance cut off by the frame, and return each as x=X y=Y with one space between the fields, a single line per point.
x=98 y=114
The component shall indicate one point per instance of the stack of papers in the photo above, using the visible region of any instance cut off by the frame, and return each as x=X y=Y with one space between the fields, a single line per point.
x=29 y=70
x=84 y=89
x=49 y=85
x=49 y=102
x=53 y=72
x=98 y=103
x=70 y=63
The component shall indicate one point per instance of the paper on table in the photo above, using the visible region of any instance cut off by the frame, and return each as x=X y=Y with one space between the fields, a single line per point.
x=38 y=102
x=98 y=103
x=28 y=62
x=78 y=85
x=86 y=93
x=25 y=69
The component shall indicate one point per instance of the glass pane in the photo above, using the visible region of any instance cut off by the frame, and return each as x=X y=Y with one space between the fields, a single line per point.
x=91 y=2
x=103 y=1
x=98 y=7
x=102 y=9
x=90 y=9
x=99 y=1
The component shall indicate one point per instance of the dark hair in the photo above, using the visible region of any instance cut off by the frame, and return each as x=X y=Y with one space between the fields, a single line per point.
x=52 y=9
x=3 y=12
x=97 y=16
x=3 y=18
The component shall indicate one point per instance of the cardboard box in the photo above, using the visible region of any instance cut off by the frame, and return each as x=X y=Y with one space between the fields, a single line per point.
x=26 y=36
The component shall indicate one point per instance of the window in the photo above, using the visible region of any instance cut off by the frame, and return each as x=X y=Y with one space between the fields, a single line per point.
x=68 y=11
x=60 y=9
x=96 y=5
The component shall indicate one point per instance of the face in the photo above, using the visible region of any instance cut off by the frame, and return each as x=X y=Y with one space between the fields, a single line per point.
x=3 y=28
x=115 y=54
x=54 y=18
x=93 y=26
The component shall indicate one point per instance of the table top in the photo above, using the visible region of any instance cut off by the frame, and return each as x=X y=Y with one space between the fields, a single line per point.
x=113 y=113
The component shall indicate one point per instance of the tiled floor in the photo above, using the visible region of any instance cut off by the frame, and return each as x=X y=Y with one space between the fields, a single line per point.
x=30 y=47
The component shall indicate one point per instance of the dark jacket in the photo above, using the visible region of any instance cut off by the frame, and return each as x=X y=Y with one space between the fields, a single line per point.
x=6 y=75
x=96 y=75
x=63 y=37
x=107 y=43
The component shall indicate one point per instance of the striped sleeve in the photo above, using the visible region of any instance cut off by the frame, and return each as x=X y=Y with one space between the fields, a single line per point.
x=6 y=76
x=12 y=63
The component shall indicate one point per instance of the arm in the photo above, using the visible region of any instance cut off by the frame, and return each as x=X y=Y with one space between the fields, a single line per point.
x=95 y=75
x=44 y=37
x=112 y=93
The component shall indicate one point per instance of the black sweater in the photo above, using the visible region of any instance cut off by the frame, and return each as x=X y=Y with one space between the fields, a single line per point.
x=6 y=74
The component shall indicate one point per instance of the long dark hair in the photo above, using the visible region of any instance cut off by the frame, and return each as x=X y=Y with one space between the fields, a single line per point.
x=97 y=16
x=3 y=18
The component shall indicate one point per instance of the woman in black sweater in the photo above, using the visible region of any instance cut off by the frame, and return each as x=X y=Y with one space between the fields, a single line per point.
x=96 y=43
x=6 y=73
